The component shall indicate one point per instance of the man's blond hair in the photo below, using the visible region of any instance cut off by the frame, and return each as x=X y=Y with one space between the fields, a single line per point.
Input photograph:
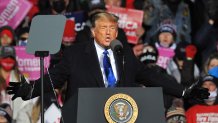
x=103 y=15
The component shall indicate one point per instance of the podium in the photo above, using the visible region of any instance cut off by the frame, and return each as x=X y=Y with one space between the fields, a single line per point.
x=122 y=105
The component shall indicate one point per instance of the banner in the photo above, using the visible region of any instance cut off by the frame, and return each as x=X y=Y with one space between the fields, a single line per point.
x=28 y=64
x=79 y=19
x=165 y=55
x=12 y=12
x=129 y=21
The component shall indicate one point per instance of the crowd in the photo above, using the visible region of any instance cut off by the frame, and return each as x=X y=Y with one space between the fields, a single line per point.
x=174 y=39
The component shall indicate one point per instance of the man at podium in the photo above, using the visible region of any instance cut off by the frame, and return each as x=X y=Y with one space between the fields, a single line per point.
x=94 y=64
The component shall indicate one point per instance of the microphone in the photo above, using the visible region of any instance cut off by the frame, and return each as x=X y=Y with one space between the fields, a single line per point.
x=117 y=47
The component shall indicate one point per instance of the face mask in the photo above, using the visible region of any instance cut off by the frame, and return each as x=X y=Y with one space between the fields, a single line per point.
x=22 y=42
x=165 y=45
x=212 y=96
x=7 y=64
x=148 y=57
x=59 y=6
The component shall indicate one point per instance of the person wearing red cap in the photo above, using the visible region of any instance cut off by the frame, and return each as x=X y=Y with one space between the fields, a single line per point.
x=6 y=36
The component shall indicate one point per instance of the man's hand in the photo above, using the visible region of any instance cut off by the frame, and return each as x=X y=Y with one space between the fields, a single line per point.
x=20 y=89
x=196 y=93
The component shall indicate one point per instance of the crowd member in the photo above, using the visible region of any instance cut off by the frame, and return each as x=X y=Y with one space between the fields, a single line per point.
x=44 y=7
x=165 y=43
x=5 y=116
x=149 y=57
x=207 y=111
x=213 y=71
x=211 y=62
x=7 y=36
x=7 y=108
x=176 y=113
x=58 y=6
x=138 y=49
x=30 y=113
x=95 y=73
x=182 y=66
x=23 y=36
x=166 y=34
x=9 y=69
x=9 y=72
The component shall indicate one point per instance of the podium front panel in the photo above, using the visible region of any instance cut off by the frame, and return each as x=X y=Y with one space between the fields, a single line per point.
x=91 y=103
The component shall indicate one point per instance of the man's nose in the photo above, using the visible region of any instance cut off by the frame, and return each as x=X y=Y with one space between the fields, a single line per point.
x=107 y=31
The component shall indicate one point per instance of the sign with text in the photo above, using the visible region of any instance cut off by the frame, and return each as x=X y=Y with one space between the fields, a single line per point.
x=12 y=12
x=165 y=55
x=129 y=21
x=79 y=19
x=28 y=64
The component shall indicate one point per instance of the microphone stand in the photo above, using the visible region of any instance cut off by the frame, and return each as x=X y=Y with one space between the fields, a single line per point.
x=123 y=70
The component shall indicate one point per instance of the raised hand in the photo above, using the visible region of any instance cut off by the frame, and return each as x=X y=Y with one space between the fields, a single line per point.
x=20 y=89
x=191 y=51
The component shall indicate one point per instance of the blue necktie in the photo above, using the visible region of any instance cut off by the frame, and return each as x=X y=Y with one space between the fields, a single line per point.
x=108 y=70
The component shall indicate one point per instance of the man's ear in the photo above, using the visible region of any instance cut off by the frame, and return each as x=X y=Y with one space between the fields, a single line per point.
x=93 y=32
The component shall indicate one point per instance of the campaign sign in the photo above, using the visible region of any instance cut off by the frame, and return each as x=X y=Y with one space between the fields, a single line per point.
x=79 y=19
x=165 y=55
x=28 y=64
x=12 y=12
x=129 y=21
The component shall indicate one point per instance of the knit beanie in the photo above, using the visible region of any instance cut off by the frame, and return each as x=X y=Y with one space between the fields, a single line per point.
x=171 y=28
x=209 y=78
x=175 y=115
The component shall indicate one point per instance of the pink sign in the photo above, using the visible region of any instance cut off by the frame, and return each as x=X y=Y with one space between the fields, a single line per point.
x=12 y=12
x=165 y=55
x=129 y=21
x=28 y=64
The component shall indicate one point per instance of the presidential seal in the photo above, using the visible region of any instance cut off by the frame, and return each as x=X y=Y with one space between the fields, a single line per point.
x=121 y=108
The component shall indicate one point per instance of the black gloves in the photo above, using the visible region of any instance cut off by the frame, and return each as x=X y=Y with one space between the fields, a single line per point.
x=198 y=94
x=20 y=89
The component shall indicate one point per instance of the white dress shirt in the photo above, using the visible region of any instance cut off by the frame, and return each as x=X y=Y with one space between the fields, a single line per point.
x=100 y=54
